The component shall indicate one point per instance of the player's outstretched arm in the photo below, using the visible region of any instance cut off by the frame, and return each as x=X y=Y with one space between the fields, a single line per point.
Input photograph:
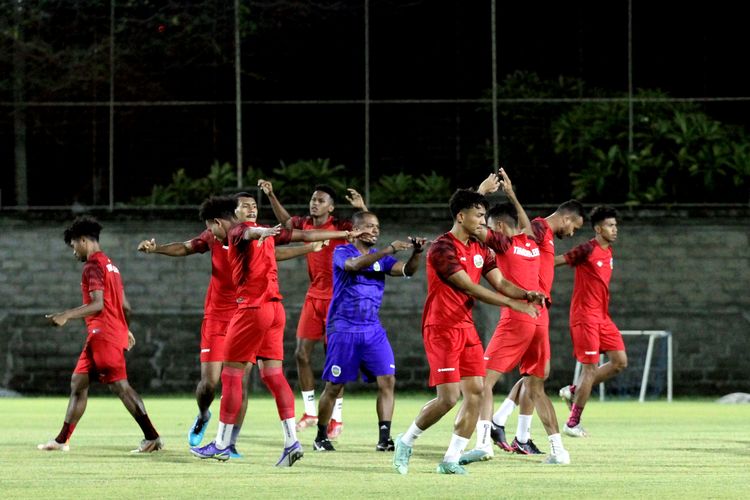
x=462 y=281
x=287 y=253
x=560 y=260
x=356 y=200
x=321 y=235
x=260 y=233
x=93 y=307
x=278 y=209
x=507 y=288
x=363 y=261
x=175 y=249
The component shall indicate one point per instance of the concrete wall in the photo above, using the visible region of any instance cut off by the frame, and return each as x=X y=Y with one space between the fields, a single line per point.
x=686 y=271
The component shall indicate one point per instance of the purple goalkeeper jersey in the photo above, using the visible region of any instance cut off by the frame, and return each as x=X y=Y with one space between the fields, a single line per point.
x=357 y=295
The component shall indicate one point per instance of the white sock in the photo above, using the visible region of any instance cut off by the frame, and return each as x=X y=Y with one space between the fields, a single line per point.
x=555 y=444
x=523 y=431
x=505 y=411
x=337 y=409
x=224 y=435
x=457 y=446
x=484 y=441
x=308 y=397
x=290 y=432
x=411 y=434
x=235 y=434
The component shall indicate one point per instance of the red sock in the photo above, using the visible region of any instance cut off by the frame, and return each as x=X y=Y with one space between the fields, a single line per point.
x=276 y=382
x=231 y=394
x=65 y=432
x=575 y=415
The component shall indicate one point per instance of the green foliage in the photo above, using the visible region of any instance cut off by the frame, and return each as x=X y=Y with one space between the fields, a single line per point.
x=184 y=190
x=680 y=154
x=294 y=182
x=405 y=188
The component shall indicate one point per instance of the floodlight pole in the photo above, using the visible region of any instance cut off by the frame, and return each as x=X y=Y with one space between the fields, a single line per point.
x=238 y=90
x=111 y=105
x=495 y=140
x=367 y=102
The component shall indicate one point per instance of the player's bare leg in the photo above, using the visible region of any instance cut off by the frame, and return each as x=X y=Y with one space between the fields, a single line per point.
x=204 y=395
x=384 y=407
x=483 y=449
x=134 y=404
x=325 y=410
x=79 y=395
x=302 y=355
x=535 y=387
x=592 y=375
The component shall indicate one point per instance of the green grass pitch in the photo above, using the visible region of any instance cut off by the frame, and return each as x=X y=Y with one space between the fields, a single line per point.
x=687 y=449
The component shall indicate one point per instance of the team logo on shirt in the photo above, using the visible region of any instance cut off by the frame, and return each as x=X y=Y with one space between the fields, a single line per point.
x=478 y=261
x=376 y=266
x=599 y=263
x=336 y=370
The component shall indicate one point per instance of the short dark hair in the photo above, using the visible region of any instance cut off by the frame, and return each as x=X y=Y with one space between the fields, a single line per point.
x=217 y=207
x=243 y=194
x=574 y=207
x=326 y=189
x=505 y=212
x=358 y=216
x=463 y=199
x=85 y=225
x=601 y=212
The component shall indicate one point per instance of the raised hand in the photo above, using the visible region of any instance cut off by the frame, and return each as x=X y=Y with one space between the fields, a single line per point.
x=506 y=184
x=400 y=245
x=418 y=243
x=489 y=185
x=355 y=199
x=147 y=246
x=266 y=186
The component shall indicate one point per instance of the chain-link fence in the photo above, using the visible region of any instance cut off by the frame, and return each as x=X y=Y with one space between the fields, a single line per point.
x=102 y=100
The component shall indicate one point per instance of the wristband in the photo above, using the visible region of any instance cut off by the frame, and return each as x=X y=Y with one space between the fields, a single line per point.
x=394 y=248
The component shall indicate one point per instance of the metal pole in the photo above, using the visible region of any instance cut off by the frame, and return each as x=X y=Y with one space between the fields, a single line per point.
x=111 y=105
x=238 y=90
x=630 y=78
x=367 y=102
x=669 y=367
x=495 y=140
x=646 y=369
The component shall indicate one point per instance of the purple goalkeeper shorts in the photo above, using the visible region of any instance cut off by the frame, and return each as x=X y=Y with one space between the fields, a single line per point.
x=349 y=353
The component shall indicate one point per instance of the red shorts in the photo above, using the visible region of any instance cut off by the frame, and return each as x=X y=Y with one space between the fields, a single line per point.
x=591 y=339
x=256 y=332
x=312 y=319
x=452 y=353
x=103 y=360
x=213 y=333
x=518 y=343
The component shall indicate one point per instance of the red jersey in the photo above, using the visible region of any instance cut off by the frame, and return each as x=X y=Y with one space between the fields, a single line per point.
x=221 y=296
x=99 y=273
x=593 y=264
x=320 y=264
x=545 y=240
x=254 y=271
x=518 y=260
x=447 y=306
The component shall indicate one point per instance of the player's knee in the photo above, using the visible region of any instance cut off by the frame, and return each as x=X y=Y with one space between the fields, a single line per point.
x=301 y=356
x=387 y=382
x=620 y=363
x=449 y=400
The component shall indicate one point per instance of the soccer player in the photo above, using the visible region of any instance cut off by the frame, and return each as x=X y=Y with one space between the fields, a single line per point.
x=456 y=262
x=518 y=340
x=562 y=223
x=256 y=331
x=591 y=327
x=219 y=307
x=105 y=309
x=312 y=321
x=357 y=341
